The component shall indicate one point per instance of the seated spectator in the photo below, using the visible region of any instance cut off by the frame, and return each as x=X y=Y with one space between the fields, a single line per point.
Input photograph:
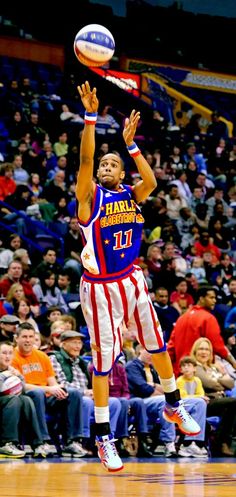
x=154 y=257
x=17 y=412
x=135 y=406
x=190 y=386
x=14 y=275
x=70 y=321
x=144 y=382
x=71 y=371
x=215 y=383
x=34 y=185
x=184 y=225
x=7 y=182
x=73 y=247
x=56 y=329
x=68 y=116
x=49 y=263
x=61 y=146
x=202 y=218
x=230 y=298
x=47 y=394
x=21 y=310
x=106 y=125
x=8 y=324
x=197 y=268
x=218 y=195
x=205 y=245
x=6 y=254
x=183 y=187
x=180 y=298
x=219 y=234
x=48 y=293
x=191 y=153
x=171 y=251
x=20 y=175
x=174 y=202
x=167 y=314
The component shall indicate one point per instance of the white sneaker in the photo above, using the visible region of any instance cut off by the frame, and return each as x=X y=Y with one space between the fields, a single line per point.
x=73 y=449
x=40 y=451
x=28 y=450
x=159 y=450
x=178 y=414
x=170 y=450
x=49 y=449
x=10 y=450
x=192 y=450
x=107 y=453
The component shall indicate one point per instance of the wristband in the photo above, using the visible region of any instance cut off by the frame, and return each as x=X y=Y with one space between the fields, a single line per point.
x=133 y=150
x=90 y=117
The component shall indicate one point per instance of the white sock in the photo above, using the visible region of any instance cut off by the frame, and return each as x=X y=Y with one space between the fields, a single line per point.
x=101 y=414
x=168 y=384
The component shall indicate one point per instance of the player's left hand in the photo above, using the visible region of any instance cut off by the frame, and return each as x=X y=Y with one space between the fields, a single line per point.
x=130 y=127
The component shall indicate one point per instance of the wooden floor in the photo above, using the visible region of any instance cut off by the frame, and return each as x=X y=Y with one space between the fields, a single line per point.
x=86 y=478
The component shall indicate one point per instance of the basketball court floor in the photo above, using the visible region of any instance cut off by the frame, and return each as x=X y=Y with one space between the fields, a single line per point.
x=140 y=478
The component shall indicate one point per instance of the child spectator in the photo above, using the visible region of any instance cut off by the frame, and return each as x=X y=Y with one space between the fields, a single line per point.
x=198 y=270
x=190 y=386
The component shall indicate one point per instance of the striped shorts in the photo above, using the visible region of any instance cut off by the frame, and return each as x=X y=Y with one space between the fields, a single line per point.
x=106 y=305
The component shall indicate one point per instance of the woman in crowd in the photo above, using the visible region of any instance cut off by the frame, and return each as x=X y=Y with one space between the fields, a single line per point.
x=216 y=384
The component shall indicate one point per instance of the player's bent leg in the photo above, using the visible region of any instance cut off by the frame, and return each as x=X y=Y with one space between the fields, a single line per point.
x=178 y=414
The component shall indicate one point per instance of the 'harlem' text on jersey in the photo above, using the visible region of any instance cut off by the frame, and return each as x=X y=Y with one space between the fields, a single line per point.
x=112 y=236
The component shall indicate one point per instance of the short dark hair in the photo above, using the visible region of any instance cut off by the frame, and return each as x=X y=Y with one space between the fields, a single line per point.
x=203 y=291
x=187 y=359
x=24 y=326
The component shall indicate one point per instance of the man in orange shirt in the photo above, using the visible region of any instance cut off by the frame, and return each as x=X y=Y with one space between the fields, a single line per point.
x=195 y=323
x=47 y=394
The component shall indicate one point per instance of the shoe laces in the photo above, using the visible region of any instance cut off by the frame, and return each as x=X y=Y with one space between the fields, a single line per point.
x=182 y=413
x=11 y=445
x=109 y=447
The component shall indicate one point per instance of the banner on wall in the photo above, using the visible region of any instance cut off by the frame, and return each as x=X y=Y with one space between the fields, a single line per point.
x=185 y=76
x=124 y=80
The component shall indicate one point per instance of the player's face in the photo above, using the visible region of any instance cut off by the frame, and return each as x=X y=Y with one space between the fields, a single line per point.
x=110 y=172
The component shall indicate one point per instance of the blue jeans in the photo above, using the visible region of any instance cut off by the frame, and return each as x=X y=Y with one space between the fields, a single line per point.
x=137 y=409
x=69 y=409
x=194 y=406
x=88 y=414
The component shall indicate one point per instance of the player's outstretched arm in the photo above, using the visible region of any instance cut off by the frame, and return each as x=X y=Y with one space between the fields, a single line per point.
x=148 y=182
x=85 y=186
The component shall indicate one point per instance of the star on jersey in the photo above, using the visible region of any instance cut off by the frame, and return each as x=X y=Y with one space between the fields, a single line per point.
x=86 y=256
x=106 y=242
x=122 y=255
x=102 y=208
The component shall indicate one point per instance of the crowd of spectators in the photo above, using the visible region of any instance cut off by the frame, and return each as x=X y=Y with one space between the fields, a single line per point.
x=188 y=241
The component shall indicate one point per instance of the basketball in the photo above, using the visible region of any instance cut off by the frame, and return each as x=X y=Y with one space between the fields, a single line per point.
x=94 y=45
x=10 y=384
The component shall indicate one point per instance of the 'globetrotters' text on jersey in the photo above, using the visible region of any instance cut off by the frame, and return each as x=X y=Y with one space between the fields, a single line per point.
x=112 y=235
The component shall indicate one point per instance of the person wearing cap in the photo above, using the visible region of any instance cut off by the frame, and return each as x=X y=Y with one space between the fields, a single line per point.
x=71 y=370
x=49 y=396
x=8 y=324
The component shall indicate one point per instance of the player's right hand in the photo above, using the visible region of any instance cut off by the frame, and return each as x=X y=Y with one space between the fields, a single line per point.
x=88 y=97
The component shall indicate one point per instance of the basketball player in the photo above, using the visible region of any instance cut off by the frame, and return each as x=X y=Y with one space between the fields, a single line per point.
x=113 y=290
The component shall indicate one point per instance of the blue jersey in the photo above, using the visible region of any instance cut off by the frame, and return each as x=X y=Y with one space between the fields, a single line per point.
x=112 y=235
